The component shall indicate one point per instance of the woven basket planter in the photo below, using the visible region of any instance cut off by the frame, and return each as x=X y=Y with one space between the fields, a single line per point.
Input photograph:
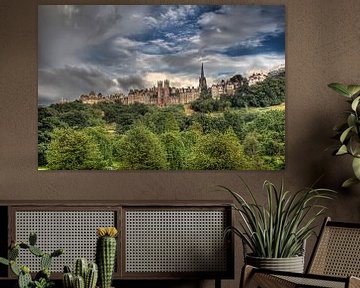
x=291 y=264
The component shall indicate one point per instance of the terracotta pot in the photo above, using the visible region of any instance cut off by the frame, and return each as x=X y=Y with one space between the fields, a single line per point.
x=291 y=264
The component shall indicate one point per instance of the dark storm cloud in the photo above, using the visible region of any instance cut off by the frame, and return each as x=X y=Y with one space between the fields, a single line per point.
x=110 y=48
x=67 y=31
x=225 y=28
x=72 y=82
x=132 y=82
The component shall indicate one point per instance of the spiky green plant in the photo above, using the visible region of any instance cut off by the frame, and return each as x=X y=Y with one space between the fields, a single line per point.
x=279 y=229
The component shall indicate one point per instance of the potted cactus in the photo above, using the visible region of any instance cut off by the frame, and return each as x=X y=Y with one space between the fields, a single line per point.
x=84 y=275
x=106 y=254
x=42 y=278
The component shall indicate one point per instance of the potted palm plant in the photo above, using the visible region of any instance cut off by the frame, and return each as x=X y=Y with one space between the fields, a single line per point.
x=349 y=131
x=275 y=234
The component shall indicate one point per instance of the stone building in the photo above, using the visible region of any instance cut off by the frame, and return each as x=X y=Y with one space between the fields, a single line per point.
x=224 y=88
x=161 y=95
x=257 y=77
x=92 y=98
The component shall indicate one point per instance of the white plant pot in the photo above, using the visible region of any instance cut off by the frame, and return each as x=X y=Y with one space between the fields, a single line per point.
x=291 y=264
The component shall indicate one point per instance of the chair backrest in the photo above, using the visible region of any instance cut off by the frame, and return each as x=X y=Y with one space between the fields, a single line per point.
x=337 y=251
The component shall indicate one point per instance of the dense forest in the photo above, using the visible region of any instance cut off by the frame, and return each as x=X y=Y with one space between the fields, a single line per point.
x=243 y=131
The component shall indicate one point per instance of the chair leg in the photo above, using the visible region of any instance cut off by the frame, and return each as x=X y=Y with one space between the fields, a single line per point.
x=217 y=283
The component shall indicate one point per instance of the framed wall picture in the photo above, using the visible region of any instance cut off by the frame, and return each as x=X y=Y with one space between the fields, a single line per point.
x=161 y=87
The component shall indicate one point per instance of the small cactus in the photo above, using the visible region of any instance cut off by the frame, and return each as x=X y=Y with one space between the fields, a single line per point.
x=80 y=268
x=23 y=273
x=79 y=282
x=45 y=261
x=91 y=276
x=68 y=280
x=106 y=254
x=89 y=272
x=24 y=280
x=67 y=269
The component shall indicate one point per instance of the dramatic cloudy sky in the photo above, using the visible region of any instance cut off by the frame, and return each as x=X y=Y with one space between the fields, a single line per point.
x=115 y=48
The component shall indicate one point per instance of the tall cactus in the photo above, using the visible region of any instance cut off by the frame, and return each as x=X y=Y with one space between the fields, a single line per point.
x=106 y=254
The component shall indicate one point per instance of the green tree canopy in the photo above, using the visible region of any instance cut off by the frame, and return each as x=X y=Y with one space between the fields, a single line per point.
x=48 y=120
x=72 y=149
x=218 y=151
x=210 y=123
x=104 y=140
x=140 y=149
x=175 y=150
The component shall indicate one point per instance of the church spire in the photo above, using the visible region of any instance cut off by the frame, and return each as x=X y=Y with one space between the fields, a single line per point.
x=202 y=79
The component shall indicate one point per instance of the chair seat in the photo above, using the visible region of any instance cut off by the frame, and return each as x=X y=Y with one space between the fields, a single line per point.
x=268 y=279
x=314 y=282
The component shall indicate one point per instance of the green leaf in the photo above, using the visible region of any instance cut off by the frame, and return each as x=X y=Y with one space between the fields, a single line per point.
x=13 y=253
x=353 y=89
x=355 y=103
x=349 y=182
x=356 y=167
x=4 y=261
x=345 y=134
x=14 y=268
x=340 y=88
x=45 y=261
x=351 y=120
x=342 y=150
x=354 y=145
x=36 y=251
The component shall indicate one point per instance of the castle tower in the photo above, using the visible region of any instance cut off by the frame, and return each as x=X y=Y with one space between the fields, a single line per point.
x=202 y=79
x=166 y=94
x=160 y=93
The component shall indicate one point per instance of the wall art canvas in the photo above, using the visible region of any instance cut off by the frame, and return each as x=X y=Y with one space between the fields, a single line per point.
x=161 y=87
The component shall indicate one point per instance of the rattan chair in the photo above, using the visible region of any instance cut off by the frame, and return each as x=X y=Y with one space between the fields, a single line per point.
x=334 y=263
